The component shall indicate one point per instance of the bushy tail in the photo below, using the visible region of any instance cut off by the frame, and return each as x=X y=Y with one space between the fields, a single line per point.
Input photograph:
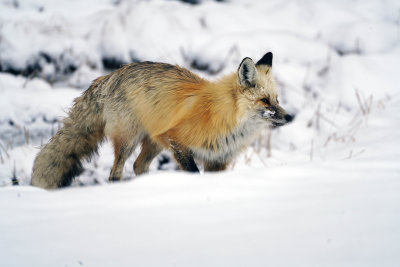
x=60 y=160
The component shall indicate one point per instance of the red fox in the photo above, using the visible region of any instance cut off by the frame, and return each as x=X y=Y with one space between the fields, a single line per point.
x=163 y=106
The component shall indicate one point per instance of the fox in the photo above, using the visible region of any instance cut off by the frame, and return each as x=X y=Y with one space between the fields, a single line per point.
x=163 y=106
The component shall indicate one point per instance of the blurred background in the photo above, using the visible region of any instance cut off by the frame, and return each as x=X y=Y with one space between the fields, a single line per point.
x=336 y=65
x=320 y=191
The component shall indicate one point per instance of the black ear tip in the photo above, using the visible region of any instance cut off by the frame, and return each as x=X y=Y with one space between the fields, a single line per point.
x=266 y=59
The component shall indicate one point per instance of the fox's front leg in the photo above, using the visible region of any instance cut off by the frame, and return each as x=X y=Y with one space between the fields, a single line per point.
x=184 y=157
x=215 y=166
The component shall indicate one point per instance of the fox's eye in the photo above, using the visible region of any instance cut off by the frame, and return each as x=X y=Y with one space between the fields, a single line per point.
x=265 y=100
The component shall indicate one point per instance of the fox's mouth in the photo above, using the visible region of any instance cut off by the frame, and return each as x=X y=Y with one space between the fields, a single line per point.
x=278 y=123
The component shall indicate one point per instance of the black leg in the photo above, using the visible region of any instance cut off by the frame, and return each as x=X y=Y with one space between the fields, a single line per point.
x=213 y=166
x=184 y=157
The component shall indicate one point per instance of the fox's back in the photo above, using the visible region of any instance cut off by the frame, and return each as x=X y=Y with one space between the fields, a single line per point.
x=158 y=94
x=150 y=77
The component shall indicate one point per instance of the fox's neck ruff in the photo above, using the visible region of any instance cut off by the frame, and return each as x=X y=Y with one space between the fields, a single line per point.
x=229 y=126
x=215 y=116
x=224 y=104
x=227 y=146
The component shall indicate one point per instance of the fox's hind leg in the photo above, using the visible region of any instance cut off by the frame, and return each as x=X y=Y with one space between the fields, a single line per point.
x=123 y=145
x=150 y=150
x=122 y=150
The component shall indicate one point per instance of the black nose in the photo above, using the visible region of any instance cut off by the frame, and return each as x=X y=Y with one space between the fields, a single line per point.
x=289 y=118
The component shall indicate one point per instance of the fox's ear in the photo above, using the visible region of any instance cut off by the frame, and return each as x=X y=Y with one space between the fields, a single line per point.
x=247 y=73
x=266 y=59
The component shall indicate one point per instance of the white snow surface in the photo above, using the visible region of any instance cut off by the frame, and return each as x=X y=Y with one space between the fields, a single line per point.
x=326 y=192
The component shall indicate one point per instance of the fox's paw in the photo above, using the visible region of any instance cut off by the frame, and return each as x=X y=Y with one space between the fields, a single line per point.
x=114 y=179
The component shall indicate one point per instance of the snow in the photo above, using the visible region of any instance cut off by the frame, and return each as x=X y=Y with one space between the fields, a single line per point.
x=323 y=192
x=239 y=218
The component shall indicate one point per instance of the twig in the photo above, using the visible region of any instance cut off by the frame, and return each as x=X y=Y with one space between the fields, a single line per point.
x=328 y=139
x=331 y=122
x=248 y=157
x=351 y=155
x=318 y=115
x=14 y=178
x=312 y=149
x=5 y=150
x=9 y=145
x=262 y=161
x=75 y=182
x=305 y=87
x=257 y=144
x=363 y=111
x=233 y=164
x=26 y=133
x=269 y=144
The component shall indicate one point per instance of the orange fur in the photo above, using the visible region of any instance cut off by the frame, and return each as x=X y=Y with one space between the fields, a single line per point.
x=213 y=112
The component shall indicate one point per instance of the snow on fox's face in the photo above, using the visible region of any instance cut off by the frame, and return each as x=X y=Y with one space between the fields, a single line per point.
x=258 y=88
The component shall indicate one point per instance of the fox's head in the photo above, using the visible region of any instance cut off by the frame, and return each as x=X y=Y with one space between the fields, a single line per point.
x=259 y=93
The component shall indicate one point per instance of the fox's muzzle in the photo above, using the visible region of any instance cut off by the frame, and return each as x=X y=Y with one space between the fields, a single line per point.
x=278 y=116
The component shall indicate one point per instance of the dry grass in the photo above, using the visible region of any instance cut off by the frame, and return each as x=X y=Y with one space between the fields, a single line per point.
x=328 y=129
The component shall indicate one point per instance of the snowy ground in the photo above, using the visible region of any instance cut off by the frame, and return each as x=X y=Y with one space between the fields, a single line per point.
x=326 y=192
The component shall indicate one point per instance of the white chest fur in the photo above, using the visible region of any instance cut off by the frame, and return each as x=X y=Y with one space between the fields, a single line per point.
x=230 y=145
